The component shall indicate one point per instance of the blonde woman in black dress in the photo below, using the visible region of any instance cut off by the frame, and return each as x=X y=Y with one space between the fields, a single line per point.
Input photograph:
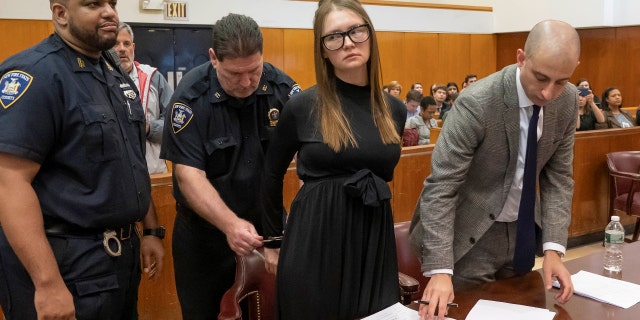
x=338 y=256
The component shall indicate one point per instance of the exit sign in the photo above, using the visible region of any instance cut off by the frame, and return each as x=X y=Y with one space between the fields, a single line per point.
x=175 y=10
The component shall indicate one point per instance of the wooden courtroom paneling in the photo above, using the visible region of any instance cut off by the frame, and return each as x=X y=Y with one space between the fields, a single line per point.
x=482 y=56
x=453 y=58
x=507 y=44
x=408 y=179
x=22 y=34
x=157 y=299
x=626 y=71
x=606 y=58
x=298 y=56
x=590 y=212
x=273 y=46
x=419 y=59
x=597 y=59
x=392 y=46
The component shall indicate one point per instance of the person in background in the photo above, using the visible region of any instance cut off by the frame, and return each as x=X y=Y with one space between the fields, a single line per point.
x=612 y=108
x=73 y=177
x=346 y=134
x=413 y=103
x=155 y=94
x=468 y=80
x=395 y=88
x=590 y=117
x=470 y=214
x=424 y=121
x=417 y=86
x=452 y=100
x=219 y=127
x=584 y=83
x=452 y=88
x=440 y=96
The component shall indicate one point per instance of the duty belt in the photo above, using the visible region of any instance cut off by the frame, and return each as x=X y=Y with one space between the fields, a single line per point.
x=109 y=236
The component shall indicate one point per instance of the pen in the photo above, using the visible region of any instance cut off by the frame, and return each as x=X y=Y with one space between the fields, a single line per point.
x=450 y=304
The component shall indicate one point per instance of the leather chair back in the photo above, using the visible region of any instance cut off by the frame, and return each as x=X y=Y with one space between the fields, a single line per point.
x=253 y=283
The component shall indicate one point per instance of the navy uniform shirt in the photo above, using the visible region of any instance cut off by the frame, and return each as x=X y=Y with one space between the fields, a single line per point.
x=82 y=121
x=224 y=136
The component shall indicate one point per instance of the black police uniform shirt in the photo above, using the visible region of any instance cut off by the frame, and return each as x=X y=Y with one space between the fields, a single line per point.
x=224 y=136
x=82 y=121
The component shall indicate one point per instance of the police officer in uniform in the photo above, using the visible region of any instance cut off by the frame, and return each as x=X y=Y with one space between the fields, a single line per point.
x=216 y=134
x=73 y=177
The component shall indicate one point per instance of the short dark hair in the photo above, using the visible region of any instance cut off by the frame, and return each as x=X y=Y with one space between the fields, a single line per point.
x=427 y=101
x=414 y=95
x=469 y=76
x=236 y=36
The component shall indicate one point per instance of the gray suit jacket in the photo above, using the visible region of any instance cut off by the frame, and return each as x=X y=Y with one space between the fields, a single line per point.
x=473 y=165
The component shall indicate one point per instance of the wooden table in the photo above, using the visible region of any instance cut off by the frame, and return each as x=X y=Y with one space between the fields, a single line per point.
x=529 y=290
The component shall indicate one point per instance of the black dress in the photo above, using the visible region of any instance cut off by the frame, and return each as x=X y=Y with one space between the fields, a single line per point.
x=338 y=257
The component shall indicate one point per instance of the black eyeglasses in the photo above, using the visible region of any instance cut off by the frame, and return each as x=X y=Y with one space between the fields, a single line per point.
x=357 y=34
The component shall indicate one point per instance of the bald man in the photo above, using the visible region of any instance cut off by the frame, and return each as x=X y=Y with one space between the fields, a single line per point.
x=465 y=222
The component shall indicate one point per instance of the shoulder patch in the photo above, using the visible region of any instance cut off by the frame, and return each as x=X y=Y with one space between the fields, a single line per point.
x=13 y=85
x=295 y=89
x=181 y=115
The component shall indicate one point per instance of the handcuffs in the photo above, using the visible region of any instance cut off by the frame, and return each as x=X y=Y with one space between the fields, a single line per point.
x=111 y=235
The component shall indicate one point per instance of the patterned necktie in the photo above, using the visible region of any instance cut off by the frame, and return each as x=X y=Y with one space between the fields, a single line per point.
x=523 y=258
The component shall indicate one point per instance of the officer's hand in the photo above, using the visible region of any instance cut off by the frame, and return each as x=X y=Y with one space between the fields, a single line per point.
x=152 y=256
x=242 y=237
x=271 y=259
x=54 y=302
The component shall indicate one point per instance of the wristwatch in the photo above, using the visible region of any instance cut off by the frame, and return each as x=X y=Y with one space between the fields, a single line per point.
x=157 y=232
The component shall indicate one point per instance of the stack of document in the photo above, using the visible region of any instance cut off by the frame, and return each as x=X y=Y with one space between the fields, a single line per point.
x=494 y=310
x=612 y=291
x=397 y=312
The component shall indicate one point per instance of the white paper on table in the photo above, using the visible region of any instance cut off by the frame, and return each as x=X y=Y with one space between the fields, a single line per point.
x=396 y=312
x=612 y=291
x=494 y=310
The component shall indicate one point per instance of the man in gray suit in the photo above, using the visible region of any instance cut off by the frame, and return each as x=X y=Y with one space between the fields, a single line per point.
x=464 y=224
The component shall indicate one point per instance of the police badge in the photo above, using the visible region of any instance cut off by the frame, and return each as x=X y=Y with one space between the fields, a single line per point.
x=274 y=116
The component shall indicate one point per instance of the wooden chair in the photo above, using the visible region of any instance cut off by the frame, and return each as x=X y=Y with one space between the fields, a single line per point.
x=624 y=184
x=254 y=283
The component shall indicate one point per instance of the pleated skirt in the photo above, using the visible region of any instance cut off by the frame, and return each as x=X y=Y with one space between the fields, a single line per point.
x=338 y=258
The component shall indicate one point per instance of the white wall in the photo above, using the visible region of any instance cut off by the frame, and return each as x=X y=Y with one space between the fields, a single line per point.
x=507 y=15
x=521 y=15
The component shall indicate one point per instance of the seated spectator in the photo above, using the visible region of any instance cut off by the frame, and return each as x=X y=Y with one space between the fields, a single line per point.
x=468 y=80
x=433 y=88
x=440 y=95
x=584 y=83
x=453 y=99
x=424 y=121
x=452 y=88
x=413 y=103
x=395 y=88
x=417 y=86
x=612 y=107
x=590 y=117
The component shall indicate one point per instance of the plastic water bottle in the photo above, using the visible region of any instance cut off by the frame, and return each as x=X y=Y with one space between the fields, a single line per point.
x=613 y=240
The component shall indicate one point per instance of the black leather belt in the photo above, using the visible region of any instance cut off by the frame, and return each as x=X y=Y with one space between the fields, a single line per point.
x=64 y=229
x=110 y=237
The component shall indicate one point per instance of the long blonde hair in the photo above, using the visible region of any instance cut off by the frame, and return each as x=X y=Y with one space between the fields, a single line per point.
x=335 y=128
